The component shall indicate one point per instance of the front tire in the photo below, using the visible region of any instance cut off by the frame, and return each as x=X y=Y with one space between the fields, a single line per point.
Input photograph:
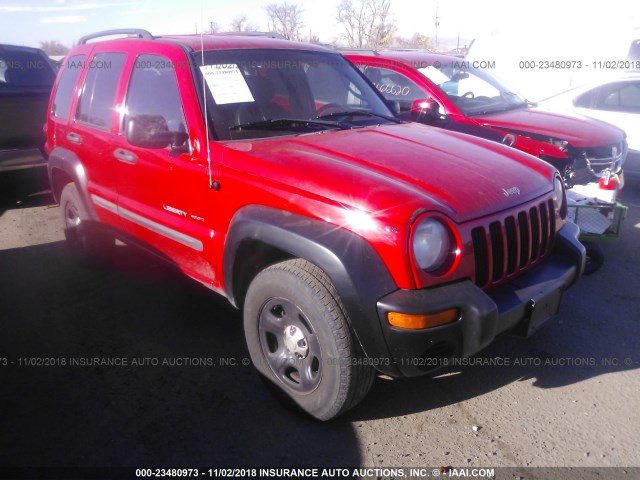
x=299 y=339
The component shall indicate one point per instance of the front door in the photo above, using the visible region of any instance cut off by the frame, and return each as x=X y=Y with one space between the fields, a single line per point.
x=162 y=192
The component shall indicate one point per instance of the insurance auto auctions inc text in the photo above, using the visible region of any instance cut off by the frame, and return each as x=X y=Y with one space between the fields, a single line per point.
x=376 y=473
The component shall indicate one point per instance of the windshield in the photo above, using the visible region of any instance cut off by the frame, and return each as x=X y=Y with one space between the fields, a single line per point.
x=474 y=91
x=255 y=93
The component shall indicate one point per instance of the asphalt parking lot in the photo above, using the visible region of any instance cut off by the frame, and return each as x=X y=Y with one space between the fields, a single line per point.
x=177 y=392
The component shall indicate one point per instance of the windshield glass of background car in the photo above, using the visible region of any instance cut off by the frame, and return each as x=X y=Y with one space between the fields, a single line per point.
x=473 y=91
x=249 y=86
x=393 y=85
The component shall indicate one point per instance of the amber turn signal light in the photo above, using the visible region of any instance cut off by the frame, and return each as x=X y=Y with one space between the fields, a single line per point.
x=423 y=320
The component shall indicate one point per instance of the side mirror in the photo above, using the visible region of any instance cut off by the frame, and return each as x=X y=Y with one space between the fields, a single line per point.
x=459 y=76
x=424 y=107
x=394 y=106
x=152 y=131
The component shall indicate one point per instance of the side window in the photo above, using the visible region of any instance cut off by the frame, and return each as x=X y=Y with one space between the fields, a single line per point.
x=153 y=92
x=70 y=71
x=624 y=97
x=634 y=51
x=99 y=91
x=587 y=99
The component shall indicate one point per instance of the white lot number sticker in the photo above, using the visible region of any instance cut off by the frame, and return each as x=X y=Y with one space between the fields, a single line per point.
x=226 y=83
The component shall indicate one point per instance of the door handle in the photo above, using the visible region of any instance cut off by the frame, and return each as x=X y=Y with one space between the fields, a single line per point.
x=125 y=156
x=74 y=138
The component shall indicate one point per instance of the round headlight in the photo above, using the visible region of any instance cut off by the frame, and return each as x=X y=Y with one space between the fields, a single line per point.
x=561 y=144
x=558 y=193
x=431 y=244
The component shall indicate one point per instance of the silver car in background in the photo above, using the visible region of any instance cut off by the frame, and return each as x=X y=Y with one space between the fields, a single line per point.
x=616 y=101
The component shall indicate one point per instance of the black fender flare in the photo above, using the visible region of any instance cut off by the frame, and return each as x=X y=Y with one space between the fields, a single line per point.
x=66 y=162
x=357 y=271
x=568 y=245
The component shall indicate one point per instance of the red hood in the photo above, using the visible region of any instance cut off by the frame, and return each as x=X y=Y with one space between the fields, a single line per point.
x=578 y=130
x=399 y=168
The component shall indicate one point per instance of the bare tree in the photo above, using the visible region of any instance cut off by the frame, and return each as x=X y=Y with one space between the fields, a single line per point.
x=313 y=38
x=416 y=41
x=214 y=27
x=241 y=24
x=53 y=47
x=366 y=23
x=286 y=19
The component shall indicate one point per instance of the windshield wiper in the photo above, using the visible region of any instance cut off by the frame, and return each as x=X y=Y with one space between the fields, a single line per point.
x=288 y=124
x=349 y=113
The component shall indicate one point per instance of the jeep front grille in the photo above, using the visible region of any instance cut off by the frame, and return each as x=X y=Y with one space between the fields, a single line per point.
x=510 y=246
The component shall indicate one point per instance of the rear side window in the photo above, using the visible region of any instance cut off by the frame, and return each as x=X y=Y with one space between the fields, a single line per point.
x=71 y=69
x=99 y=91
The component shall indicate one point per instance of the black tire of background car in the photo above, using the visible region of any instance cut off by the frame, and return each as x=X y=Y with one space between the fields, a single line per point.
x=595 y=258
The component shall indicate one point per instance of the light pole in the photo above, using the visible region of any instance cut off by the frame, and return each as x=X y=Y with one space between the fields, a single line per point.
x=437 y=18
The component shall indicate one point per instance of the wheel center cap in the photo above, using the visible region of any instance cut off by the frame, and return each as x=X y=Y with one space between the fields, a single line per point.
x=296 y=342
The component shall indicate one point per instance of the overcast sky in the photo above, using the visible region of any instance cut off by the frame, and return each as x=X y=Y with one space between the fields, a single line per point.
x=29 y=22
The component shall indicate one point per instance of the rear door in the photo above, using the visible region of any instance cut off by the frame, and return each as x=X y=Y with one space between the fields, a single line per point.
x=93 y=119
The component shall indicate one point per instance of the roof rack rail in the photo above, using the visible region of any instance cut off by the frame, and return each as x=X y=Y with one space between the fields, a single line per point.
x=131 y=32
x=255 y=34
x=407 y=49
x=362 y=51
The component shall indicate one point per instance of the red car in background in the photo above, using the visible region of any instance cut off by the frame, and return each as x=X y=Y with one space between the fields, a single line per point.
x=455 y=94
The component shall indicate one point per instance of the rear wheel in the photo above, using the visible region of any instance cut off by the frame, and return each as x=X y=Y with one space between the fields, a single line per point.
x=299 y=339
x=83 y=236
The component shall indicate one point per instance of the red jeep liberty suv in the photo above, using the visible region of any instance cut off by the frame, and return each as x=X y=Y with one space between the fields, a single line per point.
x=273 y=173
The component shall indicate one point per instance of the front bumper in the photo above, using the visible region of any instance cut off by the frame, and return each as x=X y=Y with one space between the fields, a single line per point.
x=590 y=163
x=520 y=306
